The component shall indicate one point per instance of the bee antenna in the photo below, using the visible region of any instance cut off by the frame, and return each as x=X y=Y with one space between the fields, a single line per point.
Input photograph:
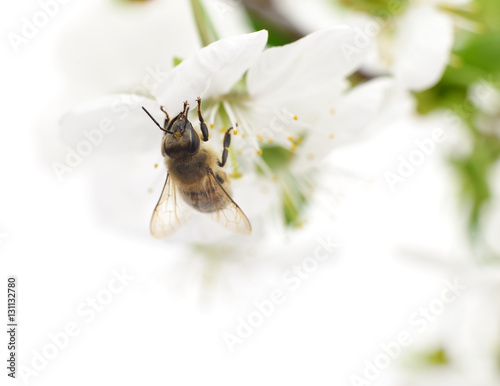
x=157 y=124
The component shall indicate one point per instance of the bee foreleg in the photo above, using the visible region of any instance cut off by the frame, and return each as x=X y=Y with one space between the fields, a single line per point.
x=203 y=125
x=226 y=144
x=167 y=118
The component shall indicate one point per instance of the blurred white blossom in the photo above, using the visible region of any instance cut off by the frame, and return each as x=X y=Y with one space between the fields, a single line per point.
x=412 y=41
x=114 y=46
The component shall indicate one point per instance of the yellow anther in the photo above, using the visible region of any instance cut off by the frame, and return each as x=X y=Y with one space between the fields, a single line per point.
x=290 y=138
x=332 y=111
x=235 y=132
x=259 y=152
x=270 y=140
x=295 y=117
x=260 y=138
x=211 y=125
x=244 y=135
x=156 y=165
x=293 y=147
x=331 y=136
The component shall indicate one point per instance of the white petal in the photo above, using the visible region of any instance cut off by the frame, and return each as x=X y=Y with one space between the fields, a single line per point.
x=115 y=124
x=354 y=116
x=211 y=71
x=422 y=47
x=359 y=109
x=303 y=75
x=317 y=58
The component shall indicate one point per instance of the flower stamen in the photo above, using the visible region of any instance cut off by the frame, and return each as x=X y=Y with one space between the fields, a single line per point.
x=232 y=117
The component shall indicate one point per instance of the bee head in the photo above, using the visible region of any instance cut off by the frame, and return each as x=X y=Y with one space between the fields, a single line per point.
x=181 y=140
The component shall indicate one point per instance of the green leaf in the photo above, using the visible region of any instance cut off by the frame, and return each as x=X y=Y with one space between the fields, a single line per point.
x=176 y=61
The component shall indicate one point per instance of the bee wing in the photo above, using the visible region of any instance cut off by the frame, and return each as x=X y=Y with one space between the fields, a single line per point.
x=171 y=211
x=228 y=213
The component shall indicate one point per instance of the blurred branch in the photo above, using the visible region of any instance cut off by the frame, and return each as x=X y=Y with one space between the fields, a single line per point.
x=264 y=15
x=204 y=25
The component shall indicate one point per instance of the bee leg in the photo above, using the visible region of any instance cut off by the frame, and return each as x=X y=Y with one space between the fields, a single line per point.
x=203 y=125
x=227 y=142
x=185 y=113
x=167 y=118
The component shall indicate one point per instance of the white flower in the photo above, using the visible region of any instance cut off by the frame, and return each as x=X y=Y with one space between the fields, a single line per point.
x=288 y=112
x=413 y=42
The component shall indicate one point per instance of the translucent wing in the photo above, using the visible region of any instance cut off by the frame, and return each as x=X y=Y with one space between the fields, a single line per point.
x=227 y=212
x=170 y=213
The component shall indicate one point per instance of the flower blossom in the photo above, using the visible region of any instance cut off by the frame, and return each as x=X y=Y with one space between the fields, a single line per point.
x=289 y=106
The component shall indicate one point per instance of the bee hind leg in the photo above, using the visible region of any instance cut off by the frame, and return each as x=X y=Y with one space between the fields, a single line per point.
x=203 y=125
x=226 y=143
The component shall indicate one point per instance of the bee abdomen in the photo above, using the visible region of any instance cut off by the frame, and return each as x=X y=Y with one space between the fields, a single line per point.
x=205 y=201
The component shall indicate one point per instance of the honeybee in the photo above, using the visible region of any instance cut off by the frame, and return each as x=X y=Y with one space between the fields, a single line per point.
x=195 y=179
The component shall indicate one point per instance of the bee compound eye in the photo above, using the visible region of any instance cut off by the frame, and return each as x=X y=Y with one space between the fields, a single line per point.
x=194 y=142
